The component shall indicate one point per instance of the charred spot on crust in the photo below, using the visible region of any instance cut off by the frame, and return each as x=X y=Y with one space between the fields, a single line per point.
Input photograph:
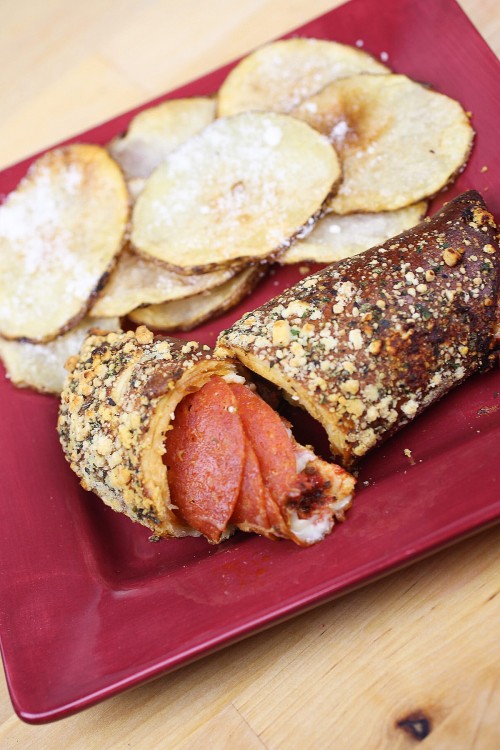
x=156 y=385
x=311 y=488
x=143 y=514
x=99 y=350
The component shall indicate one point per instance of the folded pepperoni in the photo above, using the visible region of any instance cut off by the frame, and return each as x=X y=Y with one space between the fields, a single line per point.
x=274 y=449
x=250 y=513
x=205 y=457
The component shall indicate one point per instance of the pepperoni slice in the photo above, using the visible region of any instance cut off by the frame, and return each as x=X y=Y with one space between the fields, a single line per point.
x=205 y=457
x=274 y=450
x=250 y=511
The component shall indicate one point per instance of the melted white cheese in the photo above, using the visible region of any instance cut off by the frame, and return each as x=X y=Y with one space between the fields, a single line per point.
x=310 y=530
x=303 y=456
x=340 y=505
x=232 y=377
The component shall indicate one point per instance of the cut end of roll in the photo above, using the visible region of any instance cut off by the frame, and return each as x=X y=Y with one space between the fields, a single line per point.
x=233 y=462
x=174 y=438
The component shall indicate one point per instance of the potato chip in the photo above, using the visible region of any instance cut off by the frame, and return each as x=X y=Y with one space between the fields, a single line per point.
x=237 y=191
x=137 y=281
x=135 y=187
x=41 y=366
x=157 y=131
x=399 y=141
x=336 y=237
x=278 y=76
x=60 y=231
x=185 y=314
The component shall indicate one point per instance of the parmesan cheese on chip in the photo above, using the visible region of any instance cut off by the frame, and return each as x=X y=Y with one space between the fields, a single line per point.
x=399 y=142
x=185 y=314
x=41 y=366
x=137 y=281
x=278 y=76
x=336 y=237
x=157 y=131
x=237 y=191
x=60 y=231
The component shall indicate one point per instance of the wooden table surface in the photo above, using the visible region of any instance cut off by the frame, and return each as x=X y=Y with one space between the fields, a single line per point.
x=416 y=651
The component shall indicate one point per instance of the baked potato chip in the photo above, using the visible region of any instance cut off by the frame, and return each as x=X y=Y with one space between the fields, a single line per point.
x=336 y=237
x=398 y=141
x=157 y=131
x=137 y=281
x=60 y=231
x=278 y=76
x=237 y=191
x=185 y=314
x=41 y=366
x=135 y=187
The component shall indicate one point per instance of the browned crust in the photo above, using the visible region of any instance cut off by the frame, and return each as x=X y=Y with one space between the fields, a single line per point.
x=368 y=343
x=116 y=407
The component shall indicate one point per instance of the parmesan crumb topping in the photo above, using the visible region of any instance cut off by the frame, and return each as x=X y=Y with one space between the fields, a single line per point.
x=370 y=341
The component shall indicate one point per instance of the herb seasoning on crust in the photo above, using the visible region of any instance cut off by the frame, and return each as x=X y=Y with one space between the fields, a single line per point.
x=117 y=405
x=174 y=438
x=368 y=343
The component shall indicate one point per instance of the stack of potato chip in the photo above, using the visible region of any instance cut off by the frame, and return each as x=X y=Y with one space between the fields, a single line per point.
x=311 y=151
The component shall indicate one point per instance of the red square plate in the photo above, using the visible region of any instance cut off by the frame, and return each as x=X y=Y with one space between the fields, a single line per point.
x=89 y=607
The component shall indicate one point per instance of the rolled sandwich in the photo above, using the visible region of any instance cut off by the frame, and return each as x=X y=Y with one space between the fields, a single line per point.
x=368 y=343
x=178 y=441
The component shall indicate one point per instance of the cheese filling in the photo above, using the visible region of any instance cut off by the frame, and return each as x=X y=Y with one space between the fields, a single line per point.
x=316 y=527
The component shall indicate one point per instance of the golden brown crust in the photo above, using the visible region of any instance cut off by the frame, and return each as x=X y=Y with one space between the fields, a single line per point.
x=116 y=407
x=366 y=344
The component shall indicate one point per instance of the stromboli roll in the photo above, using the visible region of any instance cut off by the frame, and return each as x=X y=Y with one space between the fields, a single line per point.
x=174 y=438
x=116 y=406
x=368 y=343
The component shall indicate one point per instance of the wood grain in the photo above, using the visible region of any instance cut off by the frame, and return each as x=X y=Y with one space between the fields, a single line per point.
x=413 y=656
